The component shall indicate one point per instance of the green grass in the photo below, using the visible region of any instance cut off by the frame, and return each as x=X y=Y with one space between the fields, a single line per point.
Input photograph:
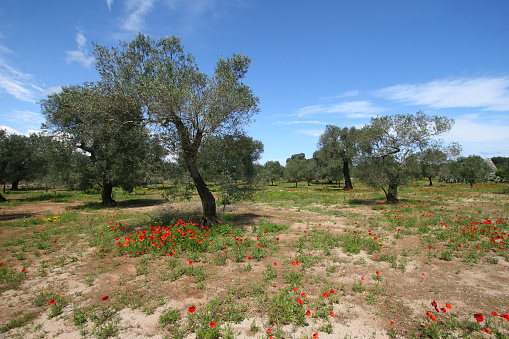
x=438 y=221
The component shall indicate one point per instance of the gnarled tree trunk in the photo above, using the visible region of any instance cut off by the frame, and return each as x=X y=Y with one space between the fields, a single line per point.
x=346 y=174
x=2 y=199
x=106 y=194
x=14 y=185
x=208 y=202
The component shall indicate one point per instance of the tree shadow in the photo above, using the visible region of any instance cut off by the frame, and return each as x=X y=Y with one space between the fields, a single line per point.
x=131 y=203
x=15 y=216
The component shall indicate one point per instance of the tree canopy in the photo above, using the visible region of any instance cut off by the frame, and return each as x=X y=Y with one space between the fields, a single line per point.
x=183 y=104
x=391 y=145
x=107 y=128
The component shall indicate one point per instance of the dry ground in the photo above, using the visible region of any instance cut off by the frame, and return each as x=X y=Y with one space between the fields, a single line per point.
x=405 y=298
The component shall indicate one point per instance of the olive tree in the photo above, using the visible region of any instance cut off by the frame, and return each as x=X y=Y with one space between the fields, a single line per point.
x=336 y=148
x=390 y=147
x=273 y=170
x=182 y=103
x=472 y=169
x=107 y=130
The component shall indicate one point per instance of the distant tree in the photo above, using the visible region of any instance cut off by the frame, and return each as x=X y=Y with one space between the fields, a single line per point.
x=502 y=164
x=184 y=104
x=339 y=145
x=3 y=160
x=107 y=129
x=472 y=169
x=299 y=168
x=329 y=168
x=391 y=146
x=273 y=170
x=20 y=159
x=309 y=170
x=293 y=171
x=433 y=159
x=233 y=155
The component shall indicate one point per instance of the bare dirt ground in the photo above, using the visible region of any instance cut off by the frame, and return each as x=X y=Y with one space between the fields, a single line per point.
x=406 y=295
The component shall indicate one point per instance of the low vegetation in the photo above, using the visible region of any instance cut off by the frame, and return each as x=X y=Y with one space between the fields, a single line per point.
x=288 y=263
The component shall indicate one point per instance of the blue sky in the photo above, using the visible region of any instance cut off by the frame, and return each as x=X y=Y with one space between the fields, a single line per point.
x=313 y=62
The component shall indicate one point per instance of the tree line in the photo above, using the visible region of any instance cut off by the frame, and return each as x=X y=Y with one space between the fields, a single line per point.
x=153 y=117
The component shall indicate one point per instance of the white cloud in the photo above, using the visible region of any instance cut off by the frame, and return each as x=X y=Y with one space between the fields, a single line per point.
x=354 y=109
x=109 y=3
x=81 y=55
x=300 y=122
x=467 y=130
x=348 y=94
x=311 y=132
x=136 y=12
x=487 y=93
x=25 y=116
x=11 y=130
x=13 y=81
x=51 y=90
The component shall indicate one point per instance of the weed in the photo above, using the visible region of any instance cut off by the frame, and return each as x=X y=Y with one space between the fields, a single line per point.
x=19 y=321
x=170 y=316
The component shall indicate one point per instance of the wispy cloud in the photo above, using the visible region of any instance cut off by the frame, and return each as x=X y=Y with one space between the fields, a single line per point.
x=348 y=94
x=468 y=129
x=13 y=81
x=25 y=116
x=353 y=109
x=311 y=132
x=109 y=3
x=484 y=92
x=81 y=55
x=136 y=11
x=300 y=122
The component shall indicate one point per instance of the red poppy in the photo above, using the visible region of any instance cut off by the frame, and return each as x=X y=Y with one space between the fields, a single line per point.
x=434 y=303
x=433 y=317
x=392 y=323
x=192 y=309
x=494 y=313
x=23 y=270
x=377 y=272
x=332 y=313
x=478 y=317
x=325 y=294
x=443 y=310
x=212 y=324
x=448 y=306
x=300 y=301
x=52 y=302
x=486 y=330
x=315 y=335
x=1 y=264
x=275 y=264
x=362 y=278
x=190 y=262
x=303 y=295
x=295 y=289
x=332 y=291
x=269 y=330
x=308 y=313
x=505 y=316
x=249 y=258
x=105 y=298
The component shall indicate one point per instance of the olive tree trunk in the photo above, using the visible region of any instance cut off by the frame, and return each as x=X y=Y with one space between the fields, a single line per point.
x=106 y=194
x=208 y=202
x=346 y=174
